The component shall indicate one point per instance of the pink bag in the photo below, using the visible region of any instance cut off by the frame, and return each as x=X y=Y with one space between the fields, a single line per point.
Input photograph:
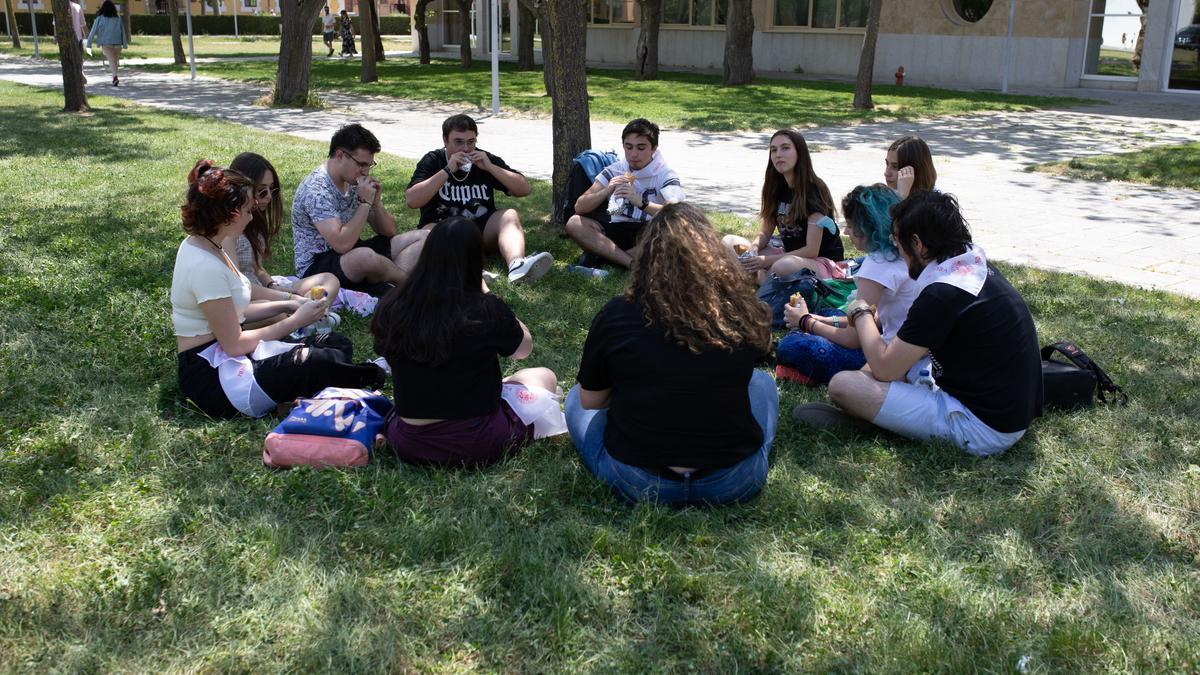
x=337 y=427
x=284 y=450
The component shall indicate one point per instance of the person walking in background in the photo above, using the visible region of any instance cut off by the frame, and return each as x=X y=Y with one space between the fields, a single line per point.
x=79 y=23
x=108 y=30
x=328 y=27
x=347 y=35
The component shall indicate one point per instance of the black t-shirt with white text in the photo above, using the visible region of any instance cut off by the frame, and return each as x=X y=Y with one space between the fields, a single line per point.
x=472 y=196
x=984 y=348
x=668 y=406
x=795 y=236
x=468 y=384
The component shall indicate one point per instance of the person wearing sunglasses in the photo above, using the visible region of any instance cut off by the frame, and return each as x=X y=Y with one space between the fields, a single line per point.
x=332 y=207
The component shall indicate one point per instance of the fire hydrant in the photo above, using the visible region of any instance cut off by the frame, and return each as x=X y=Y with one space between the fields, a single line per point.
x=900 y=76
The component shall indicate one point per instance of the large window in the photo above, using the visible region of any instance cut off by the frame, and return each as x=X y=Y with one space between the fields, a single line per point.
x=694 y=12
x=825 y=14
x=611 y=11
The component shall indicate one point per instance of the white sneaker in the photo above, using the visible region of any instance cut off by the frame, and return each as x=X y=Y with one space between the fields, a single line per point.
x=529 y=268
x=490 y=277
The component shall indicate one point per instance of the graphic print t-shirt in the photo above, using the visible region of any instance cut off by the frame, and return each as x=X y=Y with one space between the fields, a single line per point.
x=472 y=196
x=795 y=236
x=661 y=188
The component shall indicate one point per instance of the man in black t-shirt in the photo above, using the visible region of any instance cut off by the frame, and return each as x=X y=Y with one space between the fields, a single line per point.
x=459 y=179
x=985 y=362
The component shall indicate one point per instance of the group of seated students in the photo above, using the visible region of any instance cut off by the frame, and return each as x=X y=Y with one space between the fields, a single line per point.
x=670 y=403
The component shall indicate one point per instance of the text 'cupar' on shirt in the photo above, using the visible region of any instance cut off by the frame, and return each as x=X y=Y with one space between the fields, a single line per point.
x=795 y=235
x=318 y=199
x=472 y=195
x=984 y=348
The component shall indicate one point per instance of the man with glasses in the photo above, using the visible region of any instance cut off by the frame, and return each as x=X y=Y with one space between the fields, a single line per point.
x=459 y=179
x=333 y=205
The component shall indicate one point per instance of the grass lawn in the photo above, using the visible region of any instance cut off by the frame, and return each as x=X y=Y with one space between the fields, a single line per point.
x=137 y=535
x=677 y=100
x=1164 y=166
x=159 y=46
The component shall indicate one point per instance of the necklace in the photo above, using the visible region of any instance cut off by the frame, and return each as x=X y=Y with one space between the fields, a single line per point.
x=224 y=255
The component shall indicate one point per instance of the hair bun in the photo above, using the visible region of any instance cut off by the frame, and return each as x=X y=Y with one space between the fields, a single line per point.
x=202 y=166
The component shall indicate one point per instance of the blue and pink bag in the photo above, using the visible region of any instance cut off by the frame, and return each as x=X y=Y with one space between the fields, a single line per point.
x=337 y=427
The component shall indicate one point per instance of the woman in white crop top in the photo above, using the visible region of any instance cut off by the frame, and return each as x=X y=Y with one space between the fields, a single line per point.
x=223 y=368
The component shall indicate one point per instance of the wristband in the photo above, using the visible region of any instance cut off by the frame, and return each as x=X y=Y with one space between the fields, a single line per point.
x=449 y=173
x=805 y=323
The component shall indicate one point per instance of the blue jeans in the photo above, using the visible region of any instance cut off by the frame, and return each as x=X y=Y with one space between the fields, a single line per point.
x=723 y=486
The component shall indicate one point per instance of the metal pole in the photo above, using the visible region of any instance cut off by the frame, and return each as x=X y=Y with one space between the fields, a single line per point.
x=191 y=43
x=33 y=20
x=1008 y=45
x=235 y=30
x=495 y=57
x=7 y=22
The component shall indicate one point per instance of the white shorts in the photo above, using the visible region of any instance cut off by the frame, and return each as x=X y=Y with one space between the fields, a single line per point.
x=916 y=411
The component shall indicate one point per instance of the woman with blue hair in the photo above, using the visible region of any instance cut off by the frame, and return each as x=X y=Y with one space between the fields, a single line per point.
x=821 y=346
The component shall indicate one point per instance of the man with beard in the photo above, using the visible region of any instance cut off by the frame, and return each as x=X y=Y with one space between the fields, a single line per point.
x=986 y=366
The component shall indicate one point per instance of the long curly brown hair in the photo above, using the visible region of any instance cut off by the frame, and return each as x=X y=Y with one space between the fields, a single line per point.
x=691 y=286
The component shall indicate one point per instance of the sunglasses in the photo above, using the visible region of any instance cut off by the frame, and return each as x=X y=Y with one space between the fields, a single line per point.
x=263 y=193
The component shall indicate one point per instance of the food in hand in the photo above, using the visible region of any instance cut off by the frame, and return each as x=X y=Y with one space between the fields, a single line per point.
x=740 y=248
x=317 y=292
x=796 y=299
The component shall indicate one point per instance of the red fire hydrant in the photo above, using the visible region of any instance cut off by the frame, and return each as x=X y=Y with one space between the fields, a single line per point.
x=900 y=76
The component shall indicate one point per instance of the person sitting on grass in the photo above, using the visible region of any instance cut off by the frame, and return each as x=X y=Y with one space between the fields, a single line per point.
x=969 y=319
x=223 y=368
x=634 y=189
x=443 y=336
x=459 y=179
x=253 y=246
x=823 y=346
x=669 y=406
x=909 y=166
x=797 y=204
x=331 y=208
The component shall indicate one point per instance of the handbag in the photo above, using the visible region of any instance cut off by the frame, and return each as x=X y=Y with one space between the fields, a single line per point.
x=776 y=291
x=337 y=427
x=1071 y=386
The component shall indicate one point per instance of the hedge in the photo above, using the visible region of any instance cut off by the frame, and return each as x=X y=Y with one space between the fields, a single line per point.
x=160 y=24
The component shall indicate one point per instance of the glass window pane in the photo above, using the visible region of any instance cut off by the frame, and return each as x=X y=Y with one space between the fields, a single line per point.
x=676 y=11
x=824 y=14
x=623 y=11
x=599 y=11
x=854 y=13
x=702 y=12
x=791 y=12
x=722 y=8
x=972 y=10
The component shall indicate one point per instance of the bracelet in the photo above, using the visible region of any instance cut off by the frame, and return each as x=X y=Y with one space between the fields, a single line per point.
x=837 y=322
x=859 y=311
x=805 y=323
x=449 y=173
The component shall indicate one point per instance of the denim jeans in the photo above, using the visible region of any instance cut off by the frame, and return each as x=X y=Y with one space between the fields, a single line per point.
x=723 y=486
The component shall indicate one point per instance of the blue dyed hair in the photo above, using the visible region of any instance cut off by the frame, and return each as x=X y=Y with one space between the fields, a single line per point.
x=868 y=207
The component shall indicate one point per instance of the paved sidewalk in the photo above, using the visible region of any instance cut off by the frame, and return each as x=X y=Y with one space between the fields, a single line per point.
x=1134 y=234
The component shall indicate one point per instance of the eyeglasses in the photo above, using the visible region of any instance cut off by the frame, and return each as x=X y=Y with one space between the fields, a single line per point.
x=263 y=193
x=361 y=165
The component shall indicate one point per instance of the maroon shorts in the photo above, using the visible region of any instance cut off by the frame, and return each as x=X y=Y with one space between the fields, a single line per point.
x=469 y=442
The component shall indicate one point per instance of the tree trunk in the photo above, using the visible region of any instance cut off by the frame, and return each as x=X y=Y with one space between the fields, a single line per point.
x=739 y=43
x=176 y=39
x=71 y=58
x=379 y=55
x=646 y=55
x=1143 y=5
x=571 y=125
x=464 y=42
x=866 y=59
x=125 y=21
x=547 y=47
x=526 y=20
x=295 y=51
x=422 y=27
x=12 y=24
x=368 y=33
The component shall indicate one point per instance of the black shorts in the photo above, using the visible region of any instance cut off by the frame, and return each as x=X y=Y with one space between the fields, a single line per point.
x=331 y=262
x=623 y=233
x=480 y=222
x=329 y=36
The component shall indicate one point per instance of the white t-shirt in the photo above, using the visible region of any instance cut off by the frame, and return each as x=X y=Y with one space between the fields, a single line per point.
x=327 y=23
x=657 y=184
x=199 y=277
x=899 y=291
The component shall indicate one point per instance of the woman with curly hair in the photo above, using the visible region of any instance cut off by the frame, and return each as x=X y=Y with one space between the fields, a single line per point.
x=669 y=406
x=224 y=368
x=822 y=346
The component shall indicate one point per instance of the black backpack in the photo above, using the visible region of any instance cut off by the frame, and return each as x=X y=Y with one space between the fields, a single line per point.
x=1070 y=386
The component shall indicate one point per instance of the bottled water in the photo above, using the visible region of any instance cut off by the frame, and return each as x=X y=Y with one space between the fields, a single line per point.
x=588 y=271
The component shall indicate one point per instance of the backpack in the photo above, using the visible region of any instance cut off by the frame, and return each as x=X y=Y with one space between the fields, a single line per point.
x=1070 y=386
x=776 y=291
x=337 y=427
x=584 y=169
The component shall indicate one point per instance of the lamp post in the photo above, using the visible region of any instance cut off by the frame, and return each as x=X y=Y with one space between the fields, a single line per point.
x=496 y=57
x=191 y=43
x=33 y=22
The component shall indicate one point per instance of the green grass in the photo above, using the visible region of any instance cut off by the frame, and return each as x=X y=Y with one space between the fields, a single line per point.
x=1117 y=62
x=677 y=100
x=159 y=46
x=1163 y=165
x=137 y=535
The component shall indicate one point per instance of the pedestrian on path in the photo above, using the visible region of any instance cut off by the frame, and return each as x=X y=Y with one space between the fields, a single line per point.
x=328 y=23
x=108 y=30
x=347 y=36
x=79 y=23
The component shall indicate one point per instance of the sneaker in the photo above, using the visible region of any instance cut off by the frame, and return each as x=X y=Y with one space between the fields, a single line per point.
x=490 y=277
x=383 y=364
x=327 y=323
x=822 y=416
x=587 y=259
x=529 y=268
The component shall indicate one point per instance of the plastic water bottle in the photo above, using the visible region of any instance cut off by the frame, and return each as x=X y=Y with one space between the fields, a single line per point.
x=595 y=272
x=924 y=378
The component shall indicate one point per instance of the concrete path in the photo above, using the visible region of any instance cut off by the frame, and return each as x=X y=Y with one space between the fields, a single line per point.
x=1134 y=234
